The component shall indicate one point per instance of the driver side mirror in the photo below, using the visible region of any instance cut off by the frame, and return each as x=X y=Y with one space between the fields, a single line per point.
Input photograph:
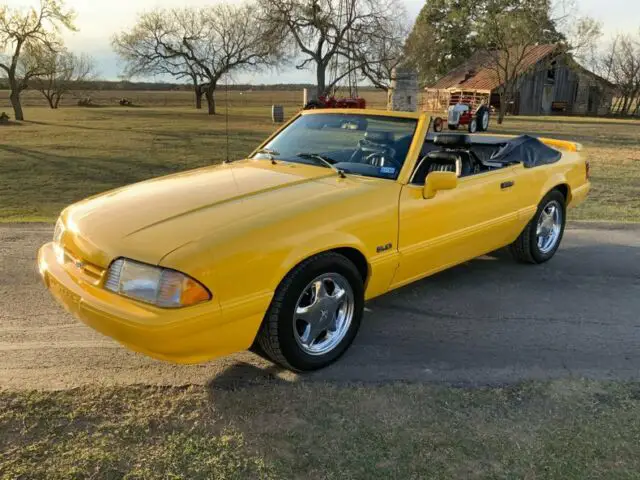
x=437 y=181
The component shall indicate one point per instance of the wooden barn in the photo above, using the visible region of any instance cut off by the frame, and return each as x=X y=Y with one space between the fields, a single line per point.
x=551 y=82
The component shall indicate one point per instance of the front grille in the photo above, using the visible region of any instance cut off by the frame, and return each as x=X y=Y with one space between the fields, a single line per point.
x=91 y=273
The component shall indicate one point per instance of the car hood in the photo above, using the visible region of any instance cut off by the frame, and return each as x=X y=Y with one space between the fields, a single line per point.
x=146 y=221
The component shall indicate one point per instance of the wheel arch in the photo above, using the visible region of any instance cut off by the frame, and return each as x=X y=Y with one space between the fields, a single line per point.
x=351 y=252
x=560 y=183
x=564 y=189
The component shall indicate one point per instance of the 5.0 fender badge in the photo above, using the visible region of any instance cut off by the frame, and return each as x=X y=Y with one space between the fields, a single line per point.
x=384 y=248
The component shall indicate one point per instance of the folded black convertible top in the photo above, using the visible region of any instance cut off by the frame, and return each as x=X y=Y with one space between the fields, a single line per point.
x=528 y=150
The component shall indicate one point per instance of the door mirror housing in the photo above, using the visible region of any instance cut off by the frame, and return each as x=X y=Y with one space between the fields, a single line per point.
x=437 y=181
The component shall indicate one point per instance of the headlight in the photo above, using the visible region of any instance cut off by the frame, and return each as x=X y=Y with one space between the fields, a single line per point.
x=57 y=232
x=57 y=238
x=155 y=285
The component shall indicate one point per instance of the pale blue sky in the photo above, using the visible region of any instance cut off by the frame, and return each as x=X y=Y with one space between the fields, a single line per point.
x=99 y=19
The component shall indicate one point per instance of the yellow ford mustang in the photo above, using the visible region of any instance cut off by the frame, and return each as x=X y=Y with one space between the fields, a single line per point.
x=279 y=251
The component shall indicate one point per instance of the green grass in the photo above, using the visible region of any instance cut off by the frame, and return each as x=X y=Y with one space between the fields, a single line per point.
x=561 y=429
x=59 y=157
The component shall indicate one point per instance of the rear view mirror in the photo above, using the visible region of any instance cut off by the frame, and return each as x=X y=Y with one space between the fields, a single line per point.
x=437 y=181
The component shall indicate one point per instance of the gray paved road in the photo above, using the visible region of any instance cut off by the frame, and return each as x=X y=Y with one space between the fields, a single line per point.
x=485 y=322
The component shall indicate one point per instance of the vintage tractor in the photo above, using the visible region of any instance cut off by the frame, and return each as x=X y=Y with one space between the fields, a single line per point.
x=333 y=102
x=468 y=109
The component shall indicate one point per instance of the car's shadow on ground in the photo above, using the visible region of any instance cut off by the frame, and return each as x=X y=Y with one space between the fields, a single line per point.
x=491 y=319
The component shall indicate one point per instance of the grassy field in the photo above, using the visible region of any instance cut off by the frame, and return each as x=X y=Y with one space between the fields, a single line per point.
x=58 y=157
x=561 y=430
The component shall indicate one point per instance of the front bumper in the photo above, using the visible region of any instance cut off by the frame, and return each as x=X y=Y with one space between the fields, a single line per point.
x=187 y=335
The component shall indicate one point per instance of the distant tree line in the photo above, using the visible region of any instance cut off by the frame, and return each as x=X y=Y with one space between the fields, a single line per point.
x=341 y=41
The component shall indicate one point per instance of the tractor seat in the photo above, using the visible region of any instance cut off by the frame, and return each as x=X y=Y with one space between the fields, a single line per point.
x=443 y=161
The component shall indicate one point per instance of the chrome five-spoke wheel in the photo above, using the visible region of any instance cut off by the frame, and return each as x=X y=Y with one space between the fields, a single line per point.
x=541 y=238
x=323 y=314
x=315 y=313
x=549 y=227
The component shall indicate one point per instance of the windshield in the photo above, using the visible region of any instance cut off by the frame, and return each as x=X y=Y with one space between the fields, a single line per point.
x=360 y=144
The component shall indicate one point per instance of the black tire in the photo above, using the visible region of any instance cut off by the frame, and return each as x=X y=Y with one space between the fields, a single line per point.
x=452 y=126
x=312 y=105
x=473 y=125
x=525 y=249
x=482 y=112
x=276 y=336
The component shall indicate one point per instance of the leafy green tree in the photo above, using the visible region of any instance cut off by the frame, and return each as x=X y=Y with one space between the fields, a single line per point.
x=443 y=36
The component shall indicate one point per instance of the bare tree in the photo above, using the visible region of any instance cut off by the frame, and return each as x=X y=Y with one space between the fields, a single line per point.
x=32 y=33
x=63 y=72
x=382 y=54
x=202 y=44
x=324 y=32
x=621 y=65
x=151 y=47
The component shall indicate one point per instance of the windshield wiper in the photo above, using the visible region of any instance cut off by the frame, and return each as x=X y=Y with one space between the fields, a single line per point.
x=270 y=153
x=326 y=161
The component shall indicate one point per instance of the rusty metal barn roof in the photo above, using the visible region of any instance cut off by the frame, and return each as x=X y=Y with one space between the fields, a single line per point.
x=474 y=75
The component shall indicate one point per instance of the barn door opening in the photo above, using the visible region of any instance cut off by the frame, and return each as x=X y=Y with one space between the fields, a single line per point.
x=547 y=99
x=594 y=100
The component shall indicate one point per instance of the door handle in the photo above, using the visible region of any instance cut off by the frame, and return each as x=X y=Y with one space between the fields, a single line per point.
x=508 y=184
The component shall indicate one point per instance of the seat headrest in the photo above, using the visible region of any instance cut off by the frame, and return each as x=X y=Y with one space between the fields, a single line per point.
x=443 y=156
x=378 y=136
x=452 y=140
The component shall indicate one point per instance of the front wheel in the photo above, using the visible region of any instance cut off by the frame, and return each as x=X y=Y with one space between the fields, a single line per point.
x=315 y=313
x=473 y=125
x=541 y=238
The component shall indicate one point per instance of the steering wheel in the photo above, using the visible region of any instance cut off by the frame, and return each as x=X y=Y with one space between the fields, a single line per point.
x=382 y=159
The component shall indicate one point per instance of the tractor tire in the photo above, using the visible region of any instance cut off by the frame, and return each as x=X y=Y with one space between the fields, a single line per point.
x=473 y=125
x=483 y=116
x=312 y=105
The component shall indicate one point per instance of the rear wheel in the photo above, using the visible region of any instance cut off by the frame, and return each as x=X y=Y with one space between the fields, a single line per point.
x=541 y=238
x=315 y=313
x=483 y=119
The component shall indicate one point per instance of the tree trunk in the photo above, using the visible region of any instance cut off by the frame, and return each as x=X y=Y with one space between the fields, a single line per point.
x=503 y=108
x=49 y=98
x=211 y=99
x=14 y=97
x=197 y=92
x=320 y=79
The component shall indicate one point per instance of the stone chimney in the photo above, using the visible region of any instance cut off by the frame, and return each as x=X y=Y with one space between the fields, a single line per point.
x=403 y=94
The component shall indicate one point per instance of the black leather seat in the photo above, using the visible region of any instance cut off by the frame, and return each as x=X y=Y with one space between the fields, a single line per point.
x=457 y=161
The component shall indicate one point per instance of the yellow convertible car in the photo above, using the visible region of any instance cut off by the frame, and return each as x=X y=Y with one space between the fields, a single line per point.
x=278 y=252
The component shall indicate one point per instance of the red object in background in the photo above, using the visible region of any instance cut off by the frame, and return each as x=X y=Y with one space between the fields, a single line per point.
x=333 y=102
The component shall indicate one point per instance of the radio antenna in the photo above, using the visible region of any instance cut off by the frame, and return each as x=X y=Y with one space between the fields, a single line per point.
x=226 y=118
